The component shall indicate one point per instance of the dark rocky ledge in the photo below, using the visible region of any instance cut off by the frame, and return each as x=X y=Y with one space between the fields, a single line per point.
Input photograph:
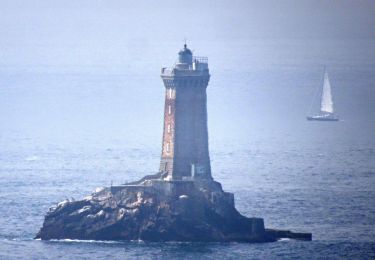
x=156 y=210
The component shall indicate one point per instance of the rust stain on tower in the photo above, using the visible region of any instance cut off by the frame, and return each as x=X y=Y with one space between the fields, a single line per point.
x=185 y=153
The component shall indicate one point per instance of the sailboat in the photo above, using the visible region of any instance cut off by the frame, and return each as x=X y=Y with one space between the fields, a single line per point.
x=326 y=103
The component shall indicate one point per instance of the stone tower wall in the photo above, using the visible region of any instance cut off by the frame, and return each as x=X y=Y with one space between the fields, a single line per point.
x=191 y=140
x=168 y=143
x=185 y=135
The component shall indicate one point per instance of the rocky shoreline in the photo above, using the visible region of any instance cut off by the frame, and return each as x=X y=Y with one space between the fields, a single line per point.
x=153 y=209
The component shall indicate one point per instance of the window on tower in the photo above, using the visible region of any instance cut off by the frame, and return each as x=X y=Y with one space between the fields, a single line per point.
x=169 y=128
x=167 y=148
x=169 y=110
x=170 y=92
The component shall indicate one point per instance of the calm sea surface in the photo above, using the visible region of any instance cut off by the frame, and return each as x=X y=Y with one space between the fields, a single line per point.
x=72 y=121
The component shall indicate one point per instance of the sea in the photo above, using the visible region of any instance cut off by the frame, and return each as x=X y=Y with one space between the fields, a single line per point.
x=74 y=118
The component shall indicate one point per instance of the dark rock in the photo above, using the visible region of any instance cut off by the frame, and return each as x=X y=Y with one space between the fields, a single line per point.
x=156 y=210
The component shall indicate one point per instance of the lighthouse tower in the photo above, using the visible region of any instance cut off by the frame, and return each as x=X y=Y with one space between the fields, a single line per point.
x=185 y=153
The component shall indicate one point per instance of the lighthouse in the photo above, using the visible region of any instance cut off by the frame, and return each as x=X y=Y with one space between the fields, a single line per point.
x=181 y=202
x=185 y=154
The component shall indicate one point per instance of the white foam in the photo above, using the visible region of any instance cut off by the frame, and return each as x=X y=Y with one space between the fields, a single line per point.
x=63 y=203
x=99 y=189
x=32 y=158
x=85 y=241
x=284 y=240
x=88 y=197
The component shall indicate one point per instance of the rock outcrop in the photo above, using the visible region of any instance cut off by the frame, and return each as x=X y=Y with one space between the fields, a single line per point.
x=156 y=210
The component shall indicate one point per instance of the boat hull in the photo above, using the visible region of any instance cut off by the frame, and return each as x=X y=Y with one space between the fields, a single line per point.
x=322 y=118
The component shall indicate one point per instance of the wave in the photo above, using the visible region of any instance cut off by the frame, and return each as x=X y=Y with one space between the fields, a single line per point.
x=283 y=240
x=32 y=158
x=67 y=240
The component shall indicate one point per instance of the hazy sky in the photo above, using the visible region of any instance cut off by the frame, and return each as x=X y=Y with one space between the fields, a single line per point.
x=41 y=40
x=50 y=21
x=47 y=32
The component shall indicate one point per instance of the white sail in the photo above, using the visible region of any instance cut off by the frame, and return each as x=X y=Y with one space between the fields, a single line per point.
x=326 y=102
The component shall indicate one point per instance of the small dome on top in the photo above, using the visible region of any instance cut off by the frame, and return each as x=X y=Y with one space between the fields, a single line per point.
x=185 y=55
x=185 y=50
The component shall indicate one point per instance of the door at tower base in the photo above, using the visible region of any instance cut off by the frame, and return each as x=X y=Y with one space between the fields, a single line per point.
x=198 y=171
x=185 y=153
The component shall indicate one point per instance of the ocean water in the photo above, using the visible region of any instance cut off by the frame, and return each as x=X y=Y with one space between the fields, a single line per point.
x=70 y=122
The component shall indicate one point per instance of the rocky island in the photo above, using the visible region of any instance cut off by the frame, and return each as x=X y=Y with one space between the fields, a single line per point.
x=182 y=202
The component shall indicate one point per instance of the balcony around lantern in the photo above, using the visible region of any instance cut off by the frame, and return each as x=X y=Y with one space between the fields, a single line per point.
x=198 y=67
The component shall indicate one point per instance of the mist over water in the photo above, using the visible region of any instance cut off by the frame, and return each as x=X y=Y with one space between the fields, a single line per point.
x=81 y=105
